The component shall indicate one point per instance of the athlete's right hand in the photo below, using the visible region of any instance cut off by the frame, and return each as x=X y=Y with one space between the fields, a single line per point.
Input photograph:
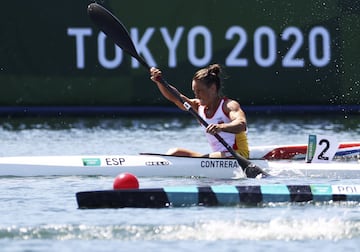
x=156 y=74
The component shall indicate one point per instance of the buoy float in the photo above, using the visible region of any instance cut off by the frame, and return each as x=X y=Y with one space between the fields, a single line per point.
x=126 y=181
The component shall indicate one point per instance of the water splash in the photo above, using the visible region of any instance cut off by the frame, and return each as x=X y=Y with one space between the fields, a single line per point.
x=289 y=229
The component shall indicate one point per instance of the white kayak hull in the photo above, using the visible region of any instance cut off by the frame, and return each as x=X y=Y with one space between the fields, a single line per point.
x=147 y=165
x=157 y=165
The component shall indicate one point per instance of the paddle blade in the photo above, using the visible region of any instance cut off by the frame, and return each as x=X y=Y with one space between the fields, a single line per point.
x=114 y=29
x=251 y=170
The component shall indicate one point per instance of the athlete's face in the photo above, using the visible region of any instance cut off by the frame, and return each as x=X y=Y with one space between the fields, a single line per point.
x=203 y=93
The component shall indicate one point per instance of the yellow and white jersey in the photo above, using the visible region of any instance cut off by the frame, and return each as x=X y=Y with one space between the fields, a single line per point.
x=238 y=141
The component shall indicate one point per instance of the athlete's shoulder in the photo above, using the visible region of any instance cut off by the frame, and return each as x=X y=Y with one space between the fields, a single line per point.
x=230 y=104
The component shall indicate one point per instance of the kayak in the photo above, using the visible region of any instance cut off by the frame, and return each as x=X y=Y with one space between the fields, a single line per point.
x=152 y=164
x=218 y=195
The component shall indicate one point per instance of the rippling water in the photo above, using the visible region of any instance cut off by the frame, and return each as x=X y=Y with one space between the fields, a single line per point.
x=40 y=213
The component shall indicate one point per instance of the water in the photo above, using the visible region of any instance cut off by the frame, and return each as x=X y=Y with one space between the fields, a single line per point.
x=40 y=213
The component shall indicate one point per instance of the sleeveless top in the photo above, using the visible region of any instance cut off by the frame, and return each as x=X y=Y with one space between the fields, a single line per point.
x=237 y=141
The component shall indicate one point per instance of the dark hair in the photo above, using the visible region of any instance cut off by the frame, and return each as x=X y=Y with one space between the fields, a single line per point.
x=209 y=75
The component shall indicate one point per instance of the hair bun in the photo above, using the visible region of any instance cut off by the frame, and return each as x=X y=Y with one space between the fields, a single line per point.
x=214 y=69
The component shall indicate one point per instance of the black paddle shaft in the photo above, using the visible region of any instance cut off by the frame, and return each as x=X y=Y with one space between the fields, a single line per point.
x=116 y=31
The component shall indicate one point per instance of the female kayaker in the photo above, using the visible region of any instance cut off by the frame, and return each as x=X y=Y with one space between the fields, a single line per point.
x=224 y=116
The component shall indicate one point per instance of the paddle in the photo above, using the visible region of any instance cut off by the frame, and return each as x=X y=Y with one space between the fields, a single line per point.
x=116 y=31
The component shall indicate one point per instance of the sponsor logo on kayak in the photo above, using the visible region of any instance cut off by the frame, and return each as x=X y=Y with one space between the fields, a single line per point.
x=154 y=163
x=219 y=164
x=91 y=161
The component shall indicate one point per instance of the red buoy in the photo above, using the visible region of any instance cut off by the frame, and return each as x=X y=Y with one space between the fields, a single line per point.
x=126 y=181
